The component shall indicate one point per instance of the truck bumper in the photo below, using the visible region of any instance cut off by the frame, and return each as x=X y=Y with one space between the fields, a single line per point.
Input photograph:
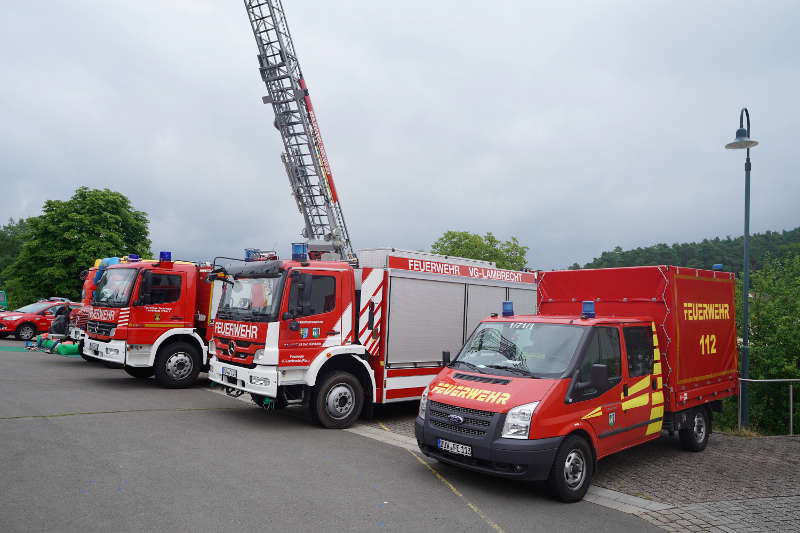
x=112 y=351
x=261 y=380
x=76 y=334
x=509 y=458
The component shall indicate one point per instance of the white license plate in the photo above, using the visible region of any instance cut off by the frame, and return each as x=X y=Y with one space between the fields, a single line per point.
x=231 y=372
x=94 y=346
x=454 y=447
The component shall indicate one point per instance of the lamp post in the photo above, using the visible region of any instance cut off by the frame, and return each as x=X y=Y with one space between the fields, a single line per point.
x=743 y=141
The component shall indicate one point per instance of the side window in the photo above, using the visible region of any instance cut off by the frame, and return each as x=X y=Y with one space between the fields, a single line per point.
x=53 y=310
x=164 y=288
x=603 y=348
x=322 y=299
x=639 y=344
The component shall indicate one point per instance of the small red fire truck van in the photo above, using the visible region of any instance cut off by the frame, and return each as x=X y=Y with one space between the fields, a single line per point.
x=339 y=339
x=613 y=357
x=151 y=317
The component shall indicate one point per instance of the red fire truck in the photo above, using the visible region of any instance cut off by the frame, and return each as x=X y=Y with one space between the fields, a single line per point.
x=338 y=339
x=79 y=317
x=151 y=317
x=613 y=357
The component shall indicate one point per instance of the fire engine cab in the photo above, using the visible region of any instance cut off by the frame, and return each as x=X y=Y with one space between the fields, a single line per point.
x=339 y=339
x=151 y=318
x=613 y=357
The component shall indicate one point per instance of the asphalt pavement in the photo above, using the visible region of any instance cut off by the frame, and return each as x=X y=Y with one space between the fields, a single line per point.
x=87 y=448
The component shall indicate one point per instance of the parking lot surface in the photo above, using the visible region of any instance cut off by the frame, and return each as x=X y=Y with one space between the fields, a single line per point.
x=86 y=448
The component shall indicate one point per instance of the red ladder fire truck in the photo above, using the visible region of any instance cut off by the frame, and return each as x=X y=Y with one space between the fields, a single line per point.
x=332 y=329
x=151 y=318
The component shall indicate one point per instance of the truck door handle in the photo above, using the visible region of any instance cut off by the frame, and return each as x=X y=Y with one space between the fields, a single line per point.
x=655 y=384
x=625 y=390
x=333 y=332
x=177 y=318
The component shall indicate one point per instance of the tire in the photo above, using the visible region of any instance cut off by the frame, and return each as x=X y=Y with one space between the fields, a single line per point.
x=338 y=400
x=140 y=372
x=695 y=437
x=177 y=365
x=25 y=331
x=571 y=473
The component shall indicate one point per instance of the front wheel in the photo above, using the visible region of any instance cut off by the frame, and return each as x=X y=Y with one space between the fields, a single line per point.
x=695 y=437
x=571 y=473
x=338 y=400
x=177 y=365
x=25 y=332
x=138 y=372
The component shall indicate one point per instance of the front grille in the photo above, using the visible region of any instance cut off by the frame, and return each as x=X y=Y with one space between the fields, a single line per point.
x=482 y=379
x=476 y=423
x=240 y=344
x=461 y=410
x=459 y=429
x=100 y=328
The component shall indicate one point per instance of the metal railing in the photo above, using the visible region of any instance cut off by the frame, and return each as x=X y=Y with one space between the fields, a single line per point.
x=791 y=383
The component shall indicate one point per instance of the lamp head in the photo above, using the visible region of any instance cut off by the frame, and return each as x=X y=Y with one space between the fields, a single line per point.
x=742 y=141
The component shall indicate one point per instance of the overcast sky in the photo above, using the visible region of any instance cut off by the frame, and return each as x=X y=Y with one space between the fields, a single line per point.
x=575 y=127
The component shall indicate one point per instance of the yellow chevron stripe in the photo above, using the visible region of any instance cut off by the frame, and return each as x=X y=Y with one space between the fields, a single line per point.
x=660 y=384
x=656 y=368
x=639 y=386
x=597 y=411
x=656 y=354
x=655 y=427
x=658 y=397
x=639 y=401
x=655 y=340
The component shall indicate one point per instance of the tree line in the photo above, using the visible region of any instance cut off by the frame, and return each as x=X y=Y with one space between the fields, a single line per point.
x=43 y=256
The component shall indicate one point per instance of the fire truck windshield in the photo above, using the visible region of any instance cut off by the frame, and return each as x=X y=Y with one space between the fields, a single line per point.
x=251 y=299
x=114 y=288
x=521 y=348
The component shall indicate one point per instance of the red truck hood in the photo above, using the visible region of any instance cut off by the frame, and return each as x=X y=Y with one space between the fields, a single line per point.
x=487 y=392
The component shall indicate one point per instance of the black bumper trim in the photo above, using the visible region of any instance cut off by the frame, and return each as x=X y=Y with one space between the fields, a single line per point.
x=508 y=458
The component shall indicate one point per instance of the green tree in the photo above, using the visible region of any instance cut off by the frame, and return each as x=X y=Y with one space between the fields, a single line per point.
x=67 y=237
x=506 y=254
x=12 y=236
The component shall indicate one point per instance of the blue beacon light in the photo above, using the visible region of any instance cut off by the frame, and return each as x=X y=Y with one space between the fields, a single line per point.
x=299 y=251
x=508 y=308
x=165 y=256
x=133 y=258
x=587 y=309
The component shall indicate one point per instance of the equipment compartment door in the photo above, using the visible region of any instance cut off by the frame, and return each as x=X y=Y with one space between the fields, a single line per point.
x=642 y=396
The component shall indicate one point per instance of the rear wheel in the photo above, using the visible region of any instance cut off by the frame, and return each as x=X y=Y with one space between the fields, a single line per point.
x=338 y=400
x=26 y=331
x=571 y=473
x=695 y=437
x=177 y=365
x=143 y=372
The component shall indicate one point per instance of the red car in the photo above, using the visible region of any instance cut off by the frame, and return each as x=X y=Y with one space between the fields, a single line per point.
x=26 y=321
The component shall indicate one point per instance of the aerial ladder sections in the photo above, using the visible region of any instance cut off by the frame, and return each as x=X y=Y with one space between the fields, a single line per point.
x=304 y=153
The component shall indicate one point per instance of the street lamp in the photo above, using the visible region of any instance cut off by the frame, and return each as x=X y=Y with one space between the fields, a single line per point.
x=743 y=141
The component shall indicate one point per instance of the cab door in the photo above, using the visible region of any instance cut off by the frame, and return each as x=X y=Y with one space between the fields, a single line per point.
x=601 y=408
x=157 y=306
x=641 y=398
x=311 y=315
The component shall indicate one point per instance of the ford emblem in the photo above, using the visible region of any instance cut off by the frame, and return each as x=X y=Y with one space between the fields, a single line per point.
x=455 y=419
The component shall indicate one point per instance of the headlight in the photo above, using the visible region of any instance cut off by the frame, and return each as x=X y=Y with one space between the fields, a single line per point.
x=212 y=347
x=423 y=403
x=518 y=421
x=257 y=356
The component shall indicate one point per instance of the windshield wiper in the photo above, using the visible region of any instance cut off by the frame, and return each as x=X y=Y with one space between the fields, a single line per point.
x=514 y=369
x=468 y=364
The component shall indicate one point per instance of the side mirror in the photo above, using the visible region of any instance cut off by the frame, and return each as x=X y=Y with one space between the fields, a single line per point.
x=294 y=325
x=446 y=358
x=305 y=292
x=599 y=377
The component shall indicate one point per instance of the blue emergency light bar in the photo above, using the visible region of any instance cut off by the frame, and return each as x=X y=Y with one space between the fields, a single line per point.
x=299 y=251
x=717 y=266
x=587 y=309
x=165 y=257
x=133 y=258
x=508 y=308
x=250 y=254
